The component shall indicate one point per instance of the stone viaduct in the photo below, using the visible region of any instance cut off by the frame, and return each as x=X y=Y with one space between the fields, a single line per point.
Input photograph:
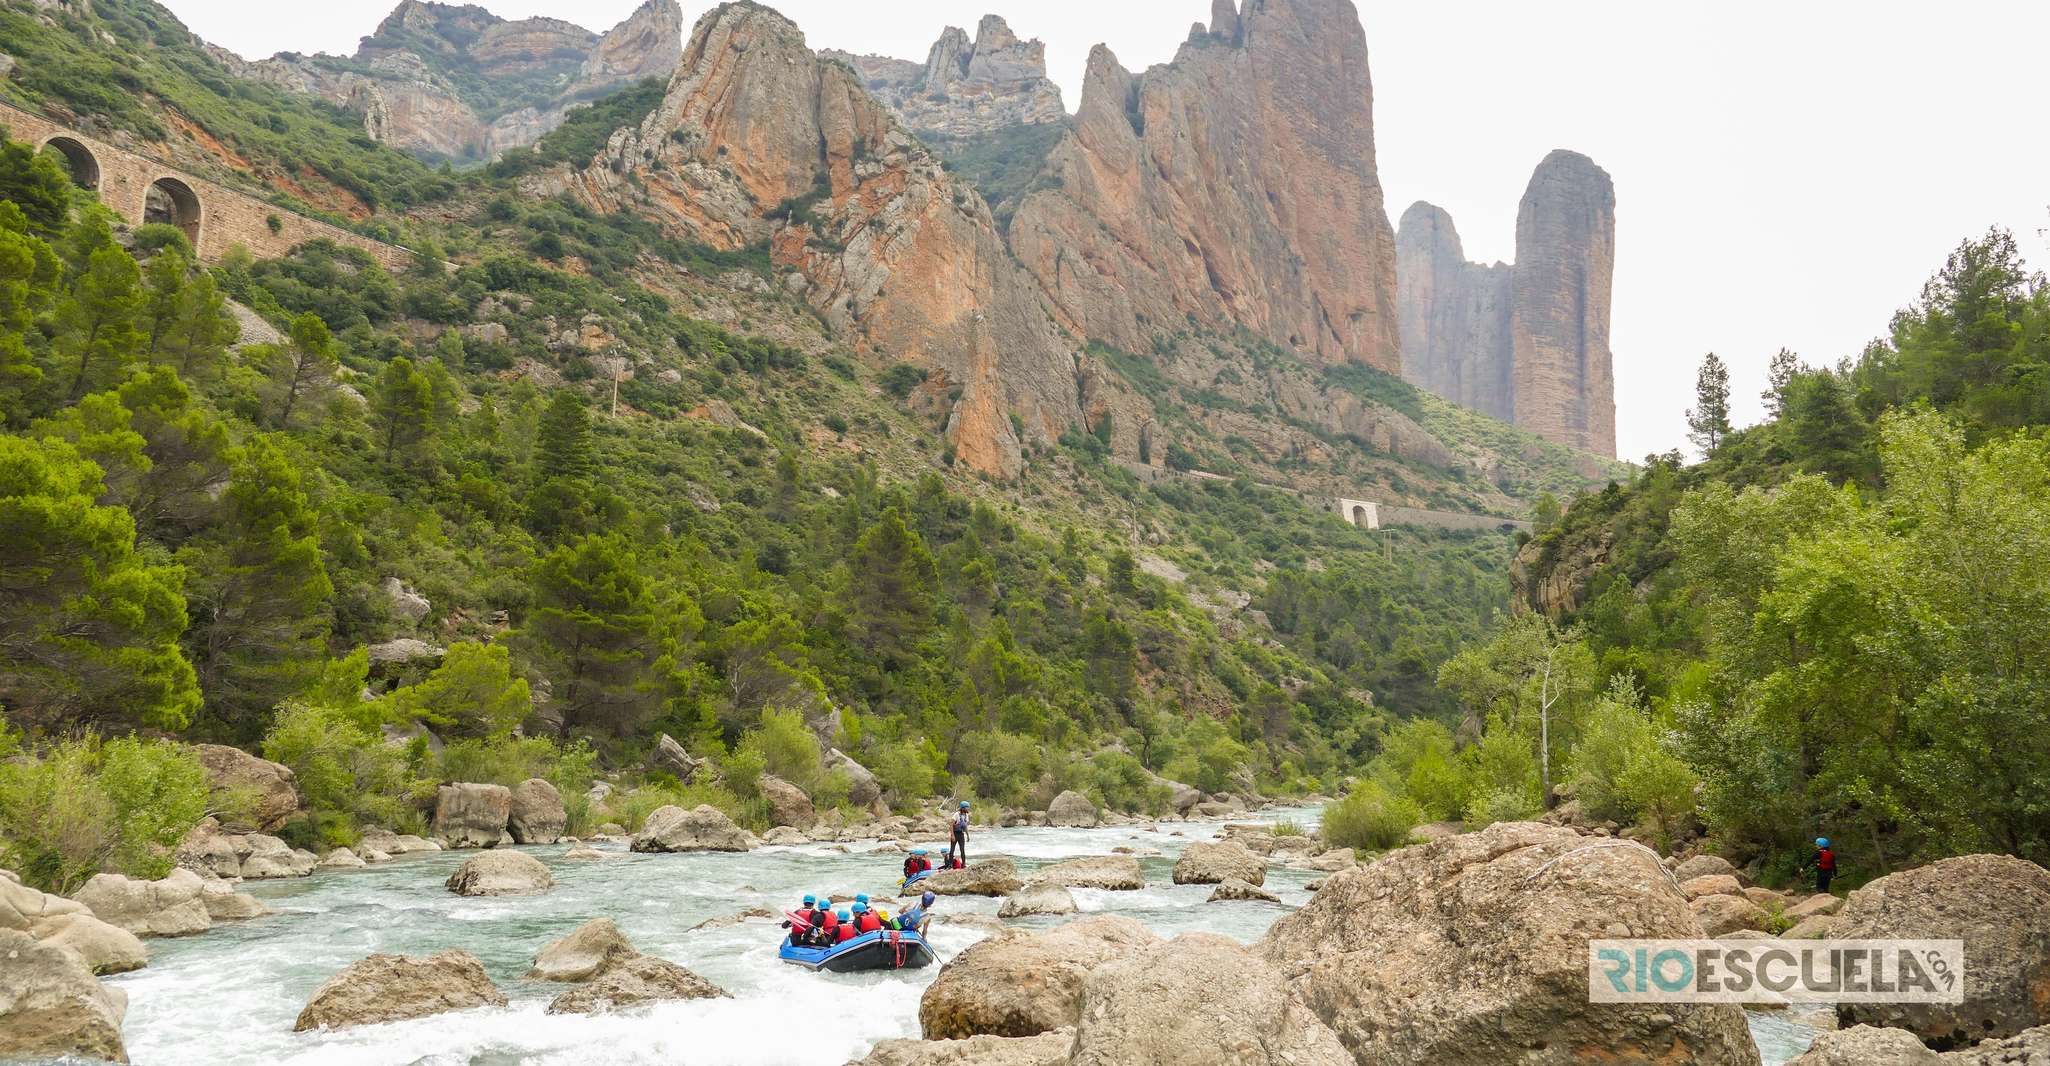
x=214 y=217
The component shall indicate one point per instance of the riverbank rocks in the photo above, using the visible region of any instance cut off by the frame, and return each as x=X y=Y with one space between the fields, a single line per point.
x=1712 y=885
x=223 y=903
x=470 y=815
x=1703 y=866
x=669 y=757
x=632 y=981
x=863 y=790
x=1023 y=985
x=1196 y=1000
x=2000 y=907
x=210 y=852
x=705 y=828
x=1235 y=889
x=581 y=955
x=536 y=815
x=268 y=858
x=500 y=873
x=988 y=877
x=391 y=988
x=1473 y=949
x=1865 y=1045
x=1727 y=914
x=255 y=794
x=62 y=923
x=1211 y=864
x=1117 y=873
x=391 y=843
x=342 y=859
x=785 y=836
x=1072 y=810
x=52 y=1006
x=1045 y=1049
x=169 y=907
x=788 y=805
x=1037 y=899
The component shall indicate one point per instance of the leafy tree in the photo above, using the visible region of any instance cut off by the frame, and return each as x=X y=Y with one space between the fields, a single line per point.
x=563 y=446
x=96 y=321
x=83 y=806
x=891 y=581
x=1779 y=374
x=35 y=182
x=593 y=630
x=473 y=693
x=1708 y=421
x=186 y=317
x=302 y=370
x=404 y=409
x=28 y=284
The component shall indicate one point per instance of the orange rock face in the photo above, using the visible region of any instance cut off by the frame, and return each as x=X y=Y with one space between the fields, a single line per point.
x=758 y=140
x=1234 y=186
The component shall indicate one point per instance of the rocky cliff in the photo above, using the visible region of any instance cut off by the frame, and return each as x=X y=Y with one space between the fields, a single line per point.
x=1233 y=187
x=759 y=140
x=1530 y=343
x=452 y=82
x=965 y=87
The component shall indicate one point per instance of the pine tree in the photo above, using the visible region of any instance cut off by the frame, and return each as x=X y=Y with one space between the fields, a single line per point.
x=1708 y=421
x=185 y=317
x=38 y=184
x=404 y=410
x=303 y=369
x=563 y=445
x=190 y=457
x=891 y=581
x=1778 y=375
x=96 y=321
x=594 y=631
x=28 y=285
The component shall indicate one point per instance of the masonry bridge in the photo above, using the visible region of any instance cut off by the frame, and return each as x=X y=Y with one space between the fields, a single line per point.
x=1366 y=514
x=214 y=217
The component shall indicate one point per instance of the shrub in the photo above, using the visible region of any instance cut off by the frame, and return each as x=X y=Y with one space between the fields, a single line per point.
x=1370 y=819
x=1120 y=783
x=157 y=236
x=1288 y=828
x=84 y=807
x=906 y=772
x=471 y=694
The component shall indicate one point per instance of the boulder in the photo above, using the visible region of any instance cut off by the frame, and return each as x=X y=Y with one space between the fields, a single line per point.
x=1211 y=864
x=471 y=815
x=536 y=815
x=269 y=857
x=639 y=979
x=788 y=805
x=581 y=955
x=1235 y=889
x=209 y=852
x=102 y=948
x=1023 y=985
x=1866 y=1045
x=785 y=836
x=1766 y=898
x=1072 y=810
x=1198 y=1000
x=223 y=903
x=391 y=988
x=988 y=877
x=51 y=1005
x=391 y=843
x=170 y=907
x=1434 y=831
x=1473 y=949
x=670 y=758
x=22 y=907
x=1815 y=906
x=500 y=873
x=705 y=828
x=2000 y=907
x=1703 y=866
x=342 y=859
x=863 y=790
x=1711 y=885
x=1727 y=914
x=1045 y=1049
x=1118 y=873
x=255 y=794
x=736 y=918
x=1818 y=927
x=1037 y=898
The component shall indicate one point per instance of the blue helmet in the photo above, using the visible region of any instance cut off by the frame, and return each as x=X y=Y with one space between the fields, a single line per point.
x=861 y=908
x=809 y=900
x=861 y=898
x=1821 y=842
x=964 y=805
x=918 y=851
x=825 y=899
x=843 y=916
x=926 y=900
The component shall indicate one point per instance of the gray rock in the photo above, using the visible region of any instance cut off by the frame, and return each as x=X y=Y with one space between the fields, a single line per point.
x=1024 y=985
x=101 y=947
x=470 y=815
x=788 y=805
x=390 y=988
x=669 y=757
x=633 y=981
x=863 y=788
x=1210 y=864
x=704 y=829
x=583 y=953
x=170 y=907
x=1037 y=899
x=1113 y=872
x=1235 y=889
x=257 y=794
x=987 y=877
x=1072 y=810
x=1197 y=1000
x=51 y=1006
x=537 y=815
x=1045 y=1049
x=500 y=873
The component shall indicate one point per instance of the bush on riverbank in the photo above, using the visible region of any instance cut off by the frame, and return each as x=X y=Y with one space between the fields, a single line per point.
x=84 y=805
x=1370 y=819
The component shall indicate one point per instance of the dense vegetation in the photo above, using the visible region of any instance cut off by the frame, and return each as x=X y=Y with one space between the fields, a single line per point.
x=1836 y=624
x=1002 y=164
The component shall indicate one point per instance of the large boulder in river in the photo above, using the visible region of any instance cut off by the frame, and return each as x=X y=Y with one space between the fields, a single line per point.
x=170 y=907
x=584 y=953
x=468 y=815
x=1198 y=1000
x=1072 y=810
x=254 y=795
x=1473 y=950
x=788 y=805
x=101 y=947
x=1236 y=889
x=2000 y=907
x=633 y=981
x=1045 y=1049
x=705 y=828
x=988 y=877
x=500 y=873
x=210 y=852
x=1037 y=899
x=1022 y=985
x=270 y=857
x=223 y=903
x=1115 y=872
x=1216 y=863
x=391 y=988
x=51 y=1006
x=863 y=790
x=536 y=815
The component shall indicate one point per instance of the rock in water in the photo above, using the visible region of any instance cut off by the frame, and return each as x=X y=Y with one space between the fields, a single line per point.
x=256 y=794
x=342 y=859
x=1037 y=899
x=223 y=903
x=536 y=815
x=170 y=907
x=101 y=947
x=1210 y=864
x=2000 y=907
x=1114 y=872
x=1023 y=985
x=640 y=979
x=471 y=815
x=1473 y=950
x=1045 y=1049
x=500 y=873
x=391 y=988
x=269 y=857
x=1236 y=889
x=51 y=1006
x=788 y=805
x=988 y=877
x=1072 y=810
x=583 y=954
x=1198 y=1000
x=704 y=829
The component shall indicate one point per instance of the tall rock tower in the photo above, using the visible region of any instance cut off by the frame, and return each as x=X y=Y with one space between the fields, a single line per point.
x=1527 y=343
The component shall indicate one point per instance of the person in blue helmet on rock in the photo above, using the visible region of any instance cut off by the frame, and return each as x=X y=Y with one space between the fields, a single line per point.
x=1824 y=861
x=961 y=835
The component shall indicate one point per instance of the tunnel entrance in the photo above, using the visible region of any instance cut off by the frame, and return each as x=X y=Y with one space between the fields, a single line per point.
x=78 y=161
x=173 y=203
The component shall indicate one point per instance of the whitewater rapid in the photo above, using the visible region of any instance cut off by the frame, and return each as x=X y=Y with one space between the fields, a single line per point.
x=230 y=997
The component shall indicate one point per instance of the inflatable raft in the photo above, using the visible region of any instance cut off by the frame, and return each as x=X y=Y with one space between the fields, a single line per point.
x=913 y=879
x=884 y=949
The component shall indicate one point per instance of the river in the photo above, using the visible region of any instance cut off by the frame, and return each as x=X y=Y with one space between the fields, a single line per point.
x=230 y=996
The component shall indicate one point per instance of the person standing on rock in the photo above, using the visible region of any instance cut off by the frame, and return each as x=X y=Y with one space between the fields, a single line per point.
x=961 y=835
x=1824 y=862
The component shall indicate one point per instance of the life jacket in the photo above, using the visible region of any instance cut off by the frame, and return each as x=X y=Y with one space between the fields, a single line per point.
x=843 y=933
x=915 y=865
x=961 y=824
x=1825 y=859
x=867 y=922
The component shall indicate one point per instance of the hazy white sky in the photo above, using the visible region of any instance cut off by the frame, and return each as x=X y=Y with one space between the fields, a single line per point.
x=1786 y=174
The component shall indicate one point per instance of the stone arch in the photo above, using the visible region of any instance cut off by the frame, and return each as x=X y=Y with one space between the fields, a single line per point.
x=173 y=202
x=83 y=165
x=1359 y=515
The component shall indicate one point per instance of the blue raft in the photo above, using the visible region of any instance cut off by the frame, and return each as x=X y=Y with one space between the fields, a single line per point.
x=884 y=949
x=914 y=879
